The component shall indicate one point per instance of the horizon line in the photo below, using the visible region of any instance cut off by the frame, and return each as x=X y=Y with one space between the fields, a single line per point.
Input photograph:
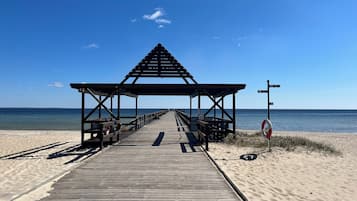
x=182 y=108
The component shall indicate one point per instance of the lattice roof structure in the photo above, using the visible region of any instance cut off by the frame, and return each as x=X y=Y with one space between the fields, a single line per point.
x=159 y=63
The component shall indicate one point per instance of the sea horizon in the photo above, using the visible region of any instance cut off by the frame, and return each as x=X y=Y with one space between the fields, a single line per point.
x=181 y=108
x=307 y=120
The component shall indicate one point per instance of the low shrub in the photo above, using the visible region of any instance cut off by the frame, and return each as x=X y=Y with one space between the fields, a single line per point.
x=289 y=143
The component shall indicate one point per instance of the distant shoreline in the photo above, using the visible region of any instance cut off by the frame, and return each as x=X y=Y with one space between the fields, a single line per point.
x=148 y=108
x=331 y=121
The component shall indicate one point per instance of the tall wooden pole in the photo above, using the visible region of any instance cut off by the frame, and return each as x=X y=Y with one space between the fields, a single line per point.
x=136 y=106
x=118 y=102
x=190 y=108
x=222 y=107
x=199 y=106
x=136 y=112
x=111 y=103
x=234 y=113
x=82 y=122
x=268 y=88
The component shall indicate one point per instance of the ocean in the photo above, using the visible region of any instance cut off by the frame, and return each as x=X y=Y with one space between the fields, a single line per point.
x=340 y=121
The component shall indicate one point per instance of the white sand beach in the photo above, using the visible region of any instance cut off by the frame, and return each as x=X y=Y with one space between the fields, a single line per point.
x=29 y=175
x=278 y=175
x=297 y=175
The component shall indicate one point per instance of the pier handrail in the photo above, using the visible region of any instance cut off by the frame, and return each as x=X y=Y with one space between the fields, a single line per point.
x=184 y=117
x=102 y=127
x=203 y=131
x=109 y=127
x=141 y=120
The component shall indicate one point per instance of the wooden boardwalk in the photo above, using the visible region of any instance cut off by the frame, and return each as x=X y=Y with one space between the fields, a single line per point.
x=137 y=170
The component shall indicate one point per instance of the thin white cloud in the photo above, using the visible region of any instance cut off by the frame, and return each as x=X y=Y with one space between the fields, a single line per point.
x=158 y=13
x=163 y=21
x=133 y=20
x=158 y=17
x=56 y=84
x=216 y=37
x=91 y=46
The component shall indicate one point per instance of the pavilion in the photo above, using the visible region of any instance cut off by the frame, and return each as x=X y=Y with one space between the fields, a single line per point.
x=159 y=63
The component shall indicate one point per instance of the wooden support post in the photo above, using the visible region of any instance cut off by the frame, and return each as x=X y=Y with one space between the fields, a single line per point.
x=100 y=108
x=206 y=142
x=214 y=109
x=111 y=103
x=101 y=138
x=199 y=106
x=118 y=115
x=190 y=109
x=136 y=112
x=222 y=107
x=234 y=113
x=118 y=106
x=268 y=87
x=82 y=122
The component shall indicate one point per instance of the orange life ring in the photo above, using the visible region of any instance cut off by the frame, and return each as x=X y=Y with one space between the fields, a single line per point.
x=267 y=128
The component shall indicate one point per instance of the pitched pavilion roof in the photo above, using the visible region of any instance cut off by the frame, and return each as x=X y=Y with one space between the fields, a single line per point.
x=159 y=63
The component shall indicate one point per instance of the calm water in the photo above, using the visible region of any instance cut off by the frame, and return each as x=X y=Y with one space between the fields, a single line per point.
x=292 y=120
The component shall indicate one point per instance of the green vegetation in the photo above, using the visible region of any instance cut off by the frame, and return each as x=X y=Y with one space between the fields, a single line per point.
x=289 y=143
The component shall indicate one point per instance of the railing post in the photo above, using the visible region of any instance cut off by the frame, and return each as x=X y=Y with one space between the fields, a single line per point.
x=101 y=138
x=207 y=143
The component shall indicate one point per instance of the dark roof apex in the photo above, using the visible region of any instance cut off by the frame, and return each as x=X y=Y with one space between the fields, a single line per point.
x=161 y=64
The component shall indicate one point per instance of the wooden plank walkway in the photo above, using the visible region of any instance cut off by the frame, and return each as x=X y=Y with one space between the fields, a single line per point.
x=136 y=170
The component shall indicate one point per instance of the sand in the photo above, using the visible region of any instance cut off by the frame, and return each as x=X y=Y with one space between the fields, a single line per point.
x=276 y=175
x=30 y=176
x=299 y=175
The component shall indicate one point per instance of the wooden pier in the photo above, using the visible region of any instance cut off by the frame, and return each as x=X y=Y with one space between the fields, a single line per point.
x=157 y=162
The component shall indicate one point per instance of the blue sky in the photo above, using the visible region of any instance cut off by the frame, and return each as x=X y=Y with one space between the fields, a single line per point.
x=309 y=47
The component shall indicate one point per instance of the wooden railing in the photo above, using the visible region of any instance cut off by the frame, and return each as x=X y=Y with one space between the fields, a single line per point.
x=141 y=120
x=219 y=128
x=185 y=118
x=110 y=128
x=104 y=127
x=212 y=129
x=203 y=132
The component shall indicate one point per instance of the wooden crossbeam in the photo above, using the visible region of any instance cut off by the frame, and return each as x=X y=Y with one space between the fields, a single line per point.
x=220 y=107
x=100 y=103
